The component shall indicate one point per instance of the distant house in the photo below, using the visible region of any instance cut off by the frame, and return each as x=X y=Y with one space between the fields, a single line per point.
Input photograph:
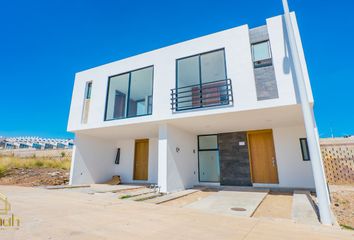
x=24 y=145
x=2 y=143
x=9 y=145
x=48 y=146
x=37 y=146
x=61 y=145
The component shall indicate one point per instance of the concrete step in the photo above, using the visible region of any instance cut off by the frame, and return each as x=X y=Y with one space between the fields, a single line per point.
x=66 y=186
x=134 y=193
x=104 y=188
x=303 y=208
x=146 y=196
x=171 y=196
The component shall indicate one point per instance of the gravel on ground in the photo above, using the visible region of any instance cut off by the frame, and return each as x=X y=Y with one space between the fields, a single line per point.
x=30 y=177
x=343 y=204
x=275 y=205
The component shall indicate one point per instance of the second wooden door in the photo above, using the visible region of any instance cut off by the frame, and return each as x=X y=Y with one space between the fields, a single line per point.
x=141 y=159
x=262 y=154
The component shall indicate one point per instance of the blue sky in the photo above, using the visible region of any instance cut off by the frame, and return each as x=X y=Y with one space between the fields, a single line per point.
x=43 y=43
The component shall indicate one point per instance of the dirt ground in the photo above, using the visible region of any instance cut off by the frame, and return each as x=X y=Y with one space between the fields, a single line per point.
x=342 y=195
x=343 y=204
x=35 y=177
x=275 y=205
x=57 y=215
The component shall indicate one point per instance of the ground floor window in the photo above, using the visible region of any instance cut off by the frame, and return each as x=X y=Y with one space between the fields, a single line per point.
x=304 y=149
x=208 y=153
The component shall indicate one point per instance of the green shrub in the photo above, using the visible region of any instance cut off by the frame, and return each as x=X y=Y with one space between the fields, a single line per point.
x=39 y=163
x=346 y=227
x=125 y=196
x=3 y=170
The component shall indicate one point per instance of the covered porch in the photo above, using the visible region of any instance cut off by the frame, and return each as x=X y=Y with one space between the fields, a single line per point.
x=213 y=149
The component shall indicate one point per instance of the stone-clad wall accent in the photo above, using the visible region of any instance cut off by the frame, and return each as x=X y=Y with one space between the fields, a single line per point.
x=266 y=84
x=234 y=162
x=258 y=34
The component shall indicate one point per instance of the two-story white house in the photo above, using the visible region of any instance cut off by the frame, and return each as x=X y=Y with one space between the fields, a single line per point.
x=221 y=109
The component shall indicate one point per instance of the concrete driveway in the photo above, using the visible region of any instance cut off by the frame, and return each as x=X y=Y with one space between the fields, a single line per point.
x=223 y=202
x=51 y=214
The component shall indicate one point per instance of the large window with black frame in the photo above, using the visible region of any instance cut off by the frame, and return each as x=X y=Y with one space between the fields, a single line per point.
x=130 y=94
x=201 y=81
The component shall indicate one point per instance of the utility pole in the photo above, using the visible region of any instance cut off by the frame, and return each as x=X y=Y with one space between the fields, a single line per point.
x=310 y=125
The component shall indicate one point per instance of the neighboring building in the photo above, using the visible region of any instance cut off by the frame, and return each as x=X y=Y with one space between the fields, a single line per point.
x=36 y=143
x=9 y=145
x=24 y=145
x=37 y=146
x=222 y=109
x=2 y=143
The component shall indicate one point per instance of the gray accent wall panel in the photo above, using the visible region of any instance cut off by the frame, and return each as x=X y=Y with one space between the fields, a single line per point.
x=258 y=34
x=266 y=84
x=234 y=159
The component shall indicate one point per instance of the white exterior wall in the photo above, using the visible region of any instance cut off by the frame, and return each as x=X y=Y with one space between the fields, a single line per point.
x=282 y=61
x=172 y=170
x=239 y=66
x=93 y=159
x=178 y=159
x=293 y=172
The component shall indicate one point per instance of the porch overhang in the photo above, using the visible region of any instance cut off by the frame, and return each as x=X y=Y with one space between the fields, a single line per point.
x=207 y=124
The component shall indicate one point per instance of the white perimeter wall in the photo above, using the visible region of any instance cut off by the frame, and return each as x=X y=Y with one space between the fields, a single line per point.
x=93 y=160
x=292 y=170
x=178 y=170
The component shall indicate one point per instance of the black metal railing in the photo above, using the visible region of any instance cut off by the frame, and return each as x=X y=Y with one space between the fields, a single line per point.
x=203 y=95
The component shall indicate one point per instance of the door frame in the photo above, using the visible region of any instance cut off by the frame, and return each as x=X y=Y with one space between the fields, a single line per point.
x=134 y=163
x=250 y=157
x=210 y=149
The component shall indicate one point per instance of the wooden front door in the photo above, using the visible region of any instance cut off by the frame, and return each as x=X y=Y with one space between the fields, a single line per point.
x=141 y=159
x=262 y=157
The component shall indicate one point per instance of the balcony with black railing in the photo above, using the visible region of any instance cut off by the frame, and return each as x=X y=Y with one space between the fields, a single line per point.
x=210 y=94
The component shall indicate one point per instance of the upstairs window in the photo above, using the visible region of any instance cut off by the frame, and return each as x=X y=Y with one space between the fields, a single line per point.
x=130 y=94
x=201 y=81
x=86 y=107
x=88 y=90
x=261 y=54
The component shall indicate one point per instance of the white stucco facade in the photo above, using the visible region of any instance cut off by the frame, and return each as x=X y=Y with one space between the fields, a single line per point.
x=173 y=136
